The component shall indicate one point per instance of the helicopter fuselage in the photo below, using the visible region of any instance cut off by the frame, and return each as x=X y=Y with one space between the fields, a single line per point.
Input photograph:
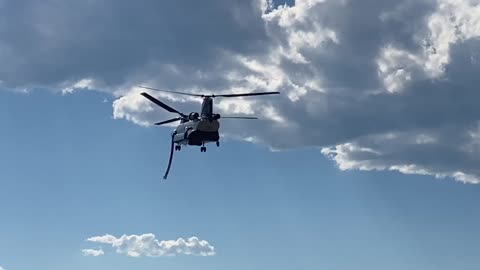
x=197 y=132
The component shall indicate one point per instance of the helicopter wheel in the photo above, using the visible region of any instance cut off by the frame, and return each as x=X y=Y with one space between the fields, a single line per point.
x=203 y=149
x=218 y=144
x=178 y=148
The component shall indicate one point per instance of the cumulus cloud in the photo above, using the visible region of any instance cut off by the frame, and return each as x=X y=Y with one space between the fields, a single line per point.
x=374 y=85
x=1 y=268
x=93 y=252
x=147 y=245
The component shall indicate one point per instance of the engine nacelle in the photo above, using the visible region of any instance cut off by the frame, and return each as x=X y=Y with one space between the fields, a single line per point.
x=193 y=116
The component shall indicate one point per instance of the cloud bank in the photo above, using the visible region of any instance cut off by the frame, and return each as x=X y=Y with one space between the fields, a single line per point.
x=147 y=245
x=374 y=85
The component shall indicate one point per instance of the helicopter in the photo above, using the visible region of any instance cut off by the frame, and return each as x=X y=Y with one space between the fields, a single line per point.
x=195 y=128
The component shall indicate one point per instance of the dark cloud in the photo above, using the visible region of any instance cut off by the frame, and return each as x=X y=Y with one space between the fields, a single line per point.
x=52 y=41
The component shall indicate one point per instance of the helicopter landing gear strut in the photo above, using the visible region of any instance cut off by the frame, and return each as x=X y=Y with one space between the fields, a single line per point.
x=204 y=149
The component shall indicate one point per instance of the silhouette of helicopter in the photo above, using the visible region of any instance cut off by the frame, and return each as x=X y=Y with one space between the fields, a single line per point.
x=194 y=128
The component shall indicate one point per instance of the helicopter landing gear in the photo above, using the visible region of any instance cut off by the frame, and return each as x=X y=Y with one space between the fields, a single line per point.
x=218 y=144
x=178 y=148
x=203 y=149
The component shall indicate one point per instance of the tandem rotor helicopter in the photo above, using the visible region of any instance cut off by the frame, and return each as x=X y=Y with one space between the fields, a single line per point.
x=196 y=128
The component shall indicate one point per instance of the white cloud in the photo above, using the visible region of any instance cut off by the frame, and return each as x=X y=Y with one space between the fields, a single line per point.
x=79 y=85
x=395 y=68
x=453 y=21
x=394 y=152
x=93 y=252
x=1 y=268
x=148 y=245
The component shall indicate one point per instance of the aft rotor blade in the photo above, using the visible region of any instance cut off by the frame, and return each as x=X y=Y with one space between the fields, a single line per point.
x=247 y=94
x=161 y=104
x=168 y=121
x=239 y=117
x=173 y=92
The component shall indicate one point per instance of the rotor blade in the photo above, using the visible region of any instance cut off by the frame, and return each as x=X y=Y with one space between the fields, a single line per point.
x=238 y=117
x=212 y=95
x=247 y=94
x=173 y=92
x=161 y=104
x=168 y=121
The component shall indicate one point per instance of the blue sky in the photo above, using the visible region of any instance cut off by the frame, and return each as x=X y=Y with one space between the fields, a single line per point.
x=375 y=137
x=80 y=174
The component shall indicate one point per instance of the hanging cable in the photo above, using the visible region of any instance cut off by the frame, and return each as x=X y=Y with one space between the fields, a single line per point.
x=171 y=156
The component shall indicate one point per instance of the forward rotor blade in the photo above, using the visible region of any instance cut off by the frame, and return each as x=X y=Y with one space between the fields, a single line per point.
x=168 y=121
x=238 y=117
x=247 y=94
x=173 y=92
x=161 y=104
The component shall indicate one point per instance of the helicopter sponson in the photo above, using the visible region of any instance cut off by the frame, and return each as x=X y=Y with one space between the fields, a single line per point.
x=197 y=132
